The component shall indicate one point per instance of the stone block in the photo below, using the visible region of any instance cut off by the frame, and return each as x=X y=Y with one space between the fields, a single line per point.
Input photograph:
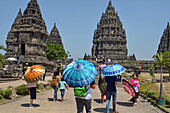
x=166 y=77
x=154 y=80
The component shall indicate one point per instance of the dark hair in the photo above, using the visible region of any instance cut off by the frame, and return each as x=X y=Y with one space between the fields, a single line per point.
x=62 y=79
x=54 y=77
x=135 y=74
x=56 y=73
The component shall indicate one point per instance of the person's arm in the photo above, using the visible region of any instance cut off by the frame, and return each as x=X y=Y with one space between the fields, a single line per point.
x=132 y=82
x=116 y=80
x=66 y=86
x=92 y=85
x=99 y=82
x=59 y=85
x=58 y=81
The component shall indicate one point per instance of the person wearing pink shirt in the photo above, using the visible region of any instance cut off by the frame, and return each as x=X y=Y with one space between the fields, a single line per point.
x=32 y=89
x=134 y=82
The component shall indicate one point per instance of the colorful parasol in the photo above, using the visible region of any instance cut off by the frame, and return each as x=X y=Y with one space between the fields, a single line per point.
x=34 y=73
x=113 y=70
x=129 y=88
x=80 y=73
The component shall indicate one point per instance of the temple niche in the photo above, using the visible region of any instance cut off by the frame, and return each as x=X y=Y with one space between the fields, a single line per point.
x=55 y=36
x=28 y=36
x=165 y=40
x=109 y=38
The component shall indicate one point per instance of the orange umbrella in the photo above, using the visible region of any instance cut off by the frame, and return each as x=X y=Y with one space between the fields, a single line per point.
x=34 y=73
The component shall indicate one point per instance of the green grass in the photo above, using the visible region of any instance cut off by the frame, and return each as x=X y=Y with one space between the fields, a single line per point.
x=4 y=100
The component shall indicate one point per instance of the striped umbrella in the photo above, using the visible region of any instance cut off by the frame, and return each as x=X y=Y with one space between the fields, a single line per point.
x=113 y=70
x=80 y=73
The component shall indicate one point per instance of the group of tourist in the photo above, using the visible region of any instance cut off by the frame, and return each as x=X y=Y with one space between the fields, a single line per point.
x=106 y=85
x=58 y=82
x=103 y=60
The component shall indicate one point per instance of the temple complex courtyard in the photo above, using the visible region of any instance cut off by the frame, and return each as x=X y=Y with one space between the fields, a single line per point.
x=44 y=103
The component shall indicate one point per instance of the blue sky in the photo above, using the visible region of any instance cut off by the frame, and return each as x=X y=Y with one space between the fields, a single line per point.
x=143 y=20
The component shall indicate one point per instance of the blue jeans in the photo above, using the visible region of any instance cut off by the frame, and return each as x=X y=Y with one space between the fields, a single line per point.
x=114 y=95
x=62 y=92
x=55 y=91
x=81 y=103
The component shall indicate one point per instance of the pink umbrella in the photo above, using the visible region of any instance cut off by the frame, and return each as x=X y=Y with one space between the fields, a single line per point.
x=101 y=66
x=129 y=88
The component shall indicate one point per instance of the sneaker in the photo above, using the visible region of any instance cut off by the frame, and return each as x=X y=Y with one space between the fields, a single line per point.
x=31 y=107
x=135 y=104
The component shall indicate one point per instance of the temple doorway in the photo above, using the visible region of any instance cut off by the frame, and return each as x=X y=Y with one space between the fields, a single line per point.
x=22 y=49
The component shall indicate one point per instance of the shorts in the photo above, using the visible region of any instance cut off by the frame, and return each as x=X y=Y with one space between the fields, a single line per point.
x=32 y=92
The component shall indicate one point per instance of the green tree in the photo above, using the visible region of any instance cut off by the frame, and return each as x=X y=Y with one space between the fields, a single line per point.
x=55 y=52
x=161 y=59
x=2 y=47
x=1 y=56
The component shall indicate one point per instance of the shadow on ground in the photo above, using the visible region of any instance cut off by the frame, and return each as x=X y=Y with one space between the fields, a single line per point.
x=102 y=110
x=50 y=99
x=99 y=101
x=127 y=104
x=167 y=106
x=27 y=105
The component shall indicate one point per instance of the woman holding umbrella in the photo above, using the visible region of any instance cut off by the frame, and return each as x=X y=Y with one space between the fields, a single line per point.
x=110 y=71
x=32 y=89
x=32 y=76
x=81 y=75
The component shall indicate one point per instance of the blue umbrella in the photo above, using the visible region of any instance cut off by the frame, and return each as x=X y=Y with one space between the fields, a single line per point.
x=80 y=73
x=113 y=70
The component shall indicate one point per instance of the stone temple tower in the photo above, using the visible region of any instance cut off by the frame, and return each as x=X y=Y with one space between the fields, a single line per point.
x=55 y=36
x=28 y=36
x=165 y=40
x=109 y=38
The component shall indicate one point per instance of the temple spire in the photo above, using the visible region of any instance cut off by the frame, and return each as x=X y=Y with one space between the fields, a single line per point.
x=17 y=20
x=33 y=9
x=110 y=8
x=55 y=36
x=54 y=29
x=54 y=24
x=110 y=3
x=19 y=13
x=168 y=25
x=107 y=37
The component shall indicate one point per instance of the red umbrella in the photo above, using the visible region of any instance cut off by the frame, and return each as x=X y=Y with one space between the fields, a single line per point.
x=129 y=88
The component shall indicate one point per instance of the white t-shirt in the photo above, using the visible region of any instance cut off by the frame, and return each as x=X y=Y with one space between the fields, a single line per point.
x=88 y=96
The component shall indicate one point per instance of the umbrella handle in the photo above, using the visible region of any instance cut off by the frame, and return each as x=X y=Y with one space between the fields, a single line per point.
x=32 y=69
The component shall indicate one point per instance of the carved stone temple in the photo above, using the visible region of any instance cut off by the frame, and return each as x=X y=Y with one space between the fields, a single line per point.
x=28 y=36
x=110 y=38
x=55 y=36
x=165 y=40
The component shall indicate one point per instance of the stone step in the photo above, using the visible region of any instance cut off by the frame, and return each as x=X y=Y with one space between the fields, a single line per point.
x=8 y=79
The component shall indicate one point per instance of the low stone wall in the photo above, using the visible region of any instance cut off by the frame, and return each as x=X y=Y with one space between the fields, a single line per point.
x=145 y=64
x=165 y=79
